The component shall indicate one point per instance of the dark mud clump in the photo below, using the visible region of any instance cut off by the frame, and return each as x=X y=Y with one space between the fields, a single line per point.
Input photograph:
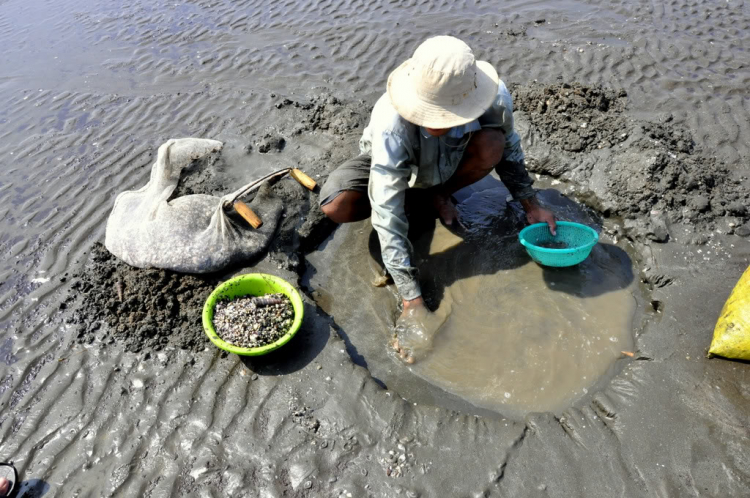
x=660 y=177
x=316 y=113
x=327 y=113
x=574 y=117
x=270 y=143
x=202 y=177
x=688 y=186
x=143 y=309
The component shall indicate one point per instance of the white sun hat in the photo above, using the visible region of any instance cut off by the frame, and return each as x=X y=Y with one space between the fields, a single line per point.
x=442 y=85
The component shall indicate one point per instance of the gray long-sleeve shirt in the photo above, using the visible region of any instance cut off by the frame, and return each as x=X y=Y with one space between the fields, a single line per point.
x=405 y=156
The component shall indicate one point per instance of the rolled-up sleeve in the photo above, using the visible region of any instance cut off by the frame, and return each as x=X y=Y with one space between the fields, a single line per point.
x=512 y=168
x=389 y=178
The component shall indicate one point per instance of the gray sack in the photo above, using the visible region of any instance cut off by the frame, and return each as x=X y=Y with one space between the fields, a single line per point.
x=192 y=233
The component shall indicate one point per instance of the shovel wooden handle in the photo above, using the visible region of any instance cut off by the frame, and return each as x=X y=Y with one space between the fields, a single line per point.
x=305 y=180
x=248 y=214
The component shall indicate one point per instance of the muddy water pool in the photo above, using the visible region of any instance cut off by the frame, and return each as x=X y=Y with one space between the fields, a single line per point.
x=522 y=335
x=515 y=337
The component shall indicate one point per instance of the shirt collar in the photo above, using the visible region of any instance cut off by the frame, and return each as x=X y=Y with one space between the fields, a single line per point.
x=456 y=131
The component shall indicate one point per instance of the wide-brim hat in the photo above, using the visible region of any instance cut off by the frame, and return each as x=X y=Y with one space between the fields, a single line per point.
x=442 y=85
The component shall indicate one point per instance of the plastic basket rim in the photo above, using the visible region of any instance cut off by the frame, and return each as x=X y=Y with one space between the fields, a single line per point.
x=567 y=250
x=288 y=289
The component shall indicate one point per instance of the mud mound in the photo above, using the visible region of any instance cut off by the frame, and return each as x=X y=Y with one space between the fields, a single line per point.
x=315 y=113
x=574 y=117
x=660 y=176
x=327 y=113
x=652 y=174
x=145 y=310
x=674 y=177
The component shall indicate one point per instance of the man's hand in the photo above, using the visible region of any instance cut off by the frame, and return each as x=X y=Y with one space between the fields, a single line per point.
x=537 y=214
x=414 y=330
x=446 y=211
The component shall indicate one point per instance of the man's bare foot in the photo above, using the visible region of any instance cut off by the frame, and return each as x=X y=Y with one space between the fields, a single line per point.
x=446 y=209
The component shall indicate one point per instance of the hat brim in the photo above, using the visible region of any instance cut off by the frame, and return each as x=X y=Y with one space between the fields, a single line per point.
x=410 y=106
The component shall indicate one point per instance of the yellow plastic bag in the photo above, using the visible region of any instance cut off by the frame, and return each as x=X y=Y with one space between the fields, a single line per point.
x=732 y=332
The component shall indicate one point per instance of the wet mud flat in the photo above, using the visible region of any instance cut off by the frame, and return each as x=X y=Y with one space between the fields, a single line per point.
x=91 y=89
x=338 y=323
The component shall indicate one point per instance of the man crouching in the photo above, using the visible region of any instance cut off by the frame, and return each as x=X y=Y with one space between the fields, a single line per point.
x=445 y=122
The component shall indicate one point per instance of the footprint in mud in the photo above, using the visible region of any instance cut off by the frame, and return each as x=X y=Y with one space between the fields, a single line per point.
x=414 y=333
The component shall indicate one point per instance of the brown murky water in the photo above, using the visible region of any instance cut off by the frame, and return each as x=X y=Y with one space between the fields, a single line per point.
x=518 y=335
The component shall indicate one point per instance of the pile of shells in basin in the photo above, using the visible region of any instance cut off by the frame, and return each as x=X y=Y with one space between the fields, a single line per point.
x=251 y=322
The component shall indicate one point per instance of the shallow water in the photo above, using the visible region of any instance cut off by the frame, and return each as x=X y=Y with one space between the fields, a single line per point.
x=519 y=335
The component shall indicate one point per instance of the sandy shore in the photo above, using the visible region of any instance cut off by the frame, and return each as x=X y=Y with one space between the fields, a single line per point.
x=89 y=90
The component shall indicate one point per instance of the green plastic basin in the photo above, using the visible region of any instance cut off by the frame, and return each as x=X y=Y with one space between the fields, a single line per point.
x=252 y=284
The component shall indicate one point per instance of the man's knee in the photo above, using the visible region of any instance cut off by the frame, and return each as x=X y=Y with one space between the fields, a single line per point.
x=335 y=209
x=329 y=210
x=489 y=147
x=347 y=206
